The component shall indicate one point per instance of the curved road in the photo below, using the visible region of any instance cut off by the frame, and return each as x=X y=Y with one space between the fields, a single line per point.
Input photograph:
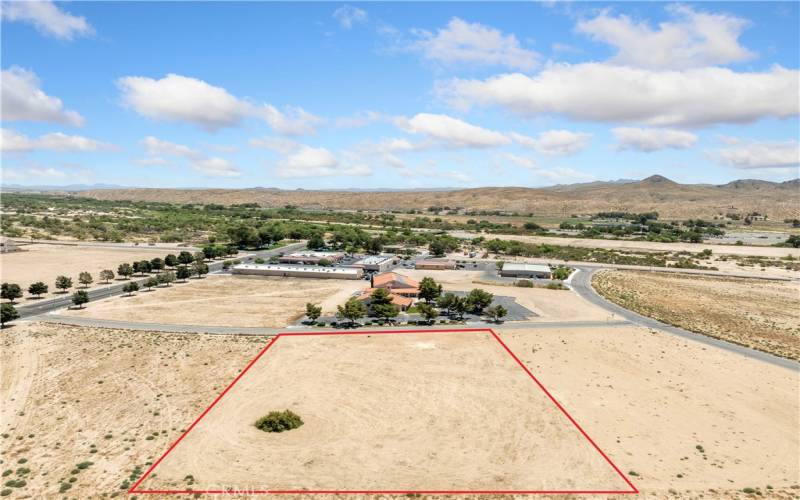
x=581 y=282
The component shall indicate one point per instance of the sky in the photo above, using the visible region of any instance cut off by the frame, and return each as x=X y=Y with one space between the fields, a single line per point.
x=397 y=95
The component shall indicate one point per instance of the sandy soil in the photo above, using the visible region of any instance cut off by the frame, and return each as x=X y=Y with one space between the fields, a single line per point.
x=761 y=314
x=225 y=301
x=650 y=246
x=431 y=411
x=649 y=399
x=65 y=389
x=42 y=262
x=549 y=305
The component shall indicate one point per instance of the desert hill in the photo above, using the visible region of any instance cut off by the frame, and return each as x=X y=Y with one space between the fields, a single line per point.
x=655 y=193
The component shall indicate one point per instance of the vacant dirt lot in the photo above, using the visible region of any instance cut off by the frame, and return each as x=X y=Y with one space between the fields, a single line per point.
x=429 y=411
x=687 y=419
x=647 y=399
x=760 y=314
x=42 y=262
x=114 y=398
x=225 y=301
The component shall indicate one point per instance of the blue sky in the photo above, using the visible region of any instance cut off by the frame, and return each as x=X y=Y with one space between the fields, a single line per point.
x=399 y=95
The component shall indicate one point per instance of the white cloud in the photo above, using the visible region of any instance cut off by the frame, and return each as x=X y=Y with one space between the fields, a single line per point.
x=652 y=139
x=552 y=174
x=14 y=142
x=47 y=18
x=153 y=161
x=23 y=100
x=555 y=142
x=308 y=161
x=348 y=16
x=693 y=39
x=213 y=166
x=360 y=119
x=276 y=144
x=760 y=154
x=452 y=132
x=474 y=43
x=607 y=93
x=181 y=98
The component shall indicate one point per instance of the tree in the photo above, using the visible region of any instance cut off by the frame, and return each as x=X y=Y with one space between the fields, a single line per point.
x=80 y=298
x=375 y=245
x=8 y=313
x=453 y=304
x=37 y=289
x=793 y=241
x=200 y=268
x=561 y=273
x=185 y=258
x=171 y=260
x=182 y=273
x=10 y=291
x=107 y=275
x=429 y=290
x=478 y=299
x=382 y=306
x=209 y=251
x=63 y=283
x=151 y=282
x=199 y=257
x=313 y=312
x=316 y=242
x=496 y=312
x=143 y=267
x=130 y=288
x=352 y=310
x=156 y=264
x=166 y=277
x=125 y=270
x=324 y=263
x=427 y=311
x=85 y=279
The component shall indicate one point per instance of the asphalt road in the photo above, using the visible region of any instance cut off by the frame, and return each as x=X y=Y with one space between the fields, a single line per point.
x=581 y=283
x=38 y=307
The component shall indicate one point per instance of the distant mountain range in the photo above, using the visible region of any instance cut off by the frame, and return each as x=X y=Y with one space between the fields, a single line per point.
x=779 y=200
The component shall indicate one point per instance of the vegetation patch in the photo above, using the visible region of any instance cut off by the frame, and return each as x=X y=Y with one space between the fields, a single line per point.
x=279 y=421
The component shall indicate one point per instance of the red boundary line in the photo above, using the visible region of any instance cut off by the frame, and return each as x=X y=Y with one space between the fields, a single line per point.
x=633 y=489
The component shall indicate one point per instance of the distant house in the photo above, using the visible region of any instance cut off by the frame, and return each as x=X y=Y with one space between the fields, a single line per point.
x=514 y=270
x=396 y=284
x=435 y=264
x=7 y=245
x=376 y=263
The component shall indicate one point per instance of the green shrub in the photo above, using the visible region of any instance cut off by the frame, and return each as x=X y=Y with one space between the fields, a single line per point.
x=279 y=421
x=524 y=283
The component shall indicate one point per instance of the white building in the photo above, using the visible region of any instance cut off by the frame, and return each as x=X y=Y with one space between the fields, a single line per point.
x=515 y=270
x=7 y=245
x=339 y=273
x=376 y=263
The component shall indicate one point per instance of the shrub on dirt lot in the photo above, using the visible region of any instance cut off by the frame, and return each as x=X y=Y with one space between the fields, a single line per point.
x=524 y=283
x=279 y=421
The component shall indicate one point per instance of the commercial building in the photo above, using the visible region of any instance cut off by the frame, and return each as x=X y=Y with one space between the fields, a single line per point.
x=340 y=273
x=514 y=270
x=435 y=264
x=376 y=263
x=310 y=257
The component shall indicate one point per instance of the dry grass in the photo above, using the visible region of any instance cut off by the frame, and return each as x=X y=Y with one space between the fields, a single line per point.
x=225 y=301
x=43 y=262
x=760 y=314
x=67 y=391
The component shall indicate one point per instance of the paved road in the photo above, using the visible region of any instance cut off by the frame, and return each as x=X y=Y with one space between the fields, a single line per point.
x=231 y=330
x=38 y=307
x=581 y=283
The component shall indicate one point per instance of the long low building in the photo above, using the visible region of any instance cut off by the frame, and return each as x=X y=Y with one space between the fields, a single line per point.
x=434 y=264
x=339 y=273
x=311 y=257
x=515 y=270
